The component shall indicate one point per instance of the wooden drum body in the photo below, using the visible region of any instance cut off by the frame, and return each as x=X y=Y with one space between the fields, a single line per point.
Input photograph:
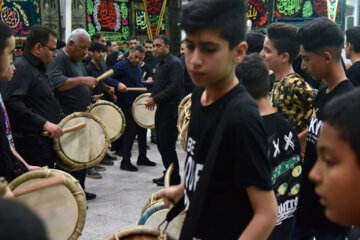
x=137 y=233
x=142 y=116
x=61 y=207
x=184 y=111
x=82 y=148
x=112 y=117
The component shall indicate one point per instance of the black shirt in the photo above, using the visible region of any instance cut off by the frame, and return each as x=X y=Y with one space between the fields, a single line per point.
x=285 y=161
x=310 y=213
x=241 y=162
x=168 y=83
x=353 y=74
x=75 y=99
x=29 y=96
x=94 y=71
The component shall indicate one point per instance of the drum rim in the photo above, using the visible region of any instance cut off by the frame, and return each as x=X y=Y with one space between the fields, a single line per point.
x=104 y=102
x=183 y=102
x=133 y=110
x=69 y=164
x=183 y=135
x=150 y=211
x=70 y=182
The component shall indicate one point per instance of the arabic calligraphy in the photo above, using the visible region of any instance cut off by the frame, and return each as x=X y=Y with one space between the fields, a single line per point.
x=10 y=16
x=257 y=13
x=307 y=9
x=107 y=14
x=154 y=6
x=320 y=7
x=289 y=7
x=140 y=19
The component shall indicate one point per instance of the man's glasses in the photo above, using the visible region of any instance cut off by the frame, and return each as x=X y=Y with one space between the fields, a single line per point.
x=53 y=50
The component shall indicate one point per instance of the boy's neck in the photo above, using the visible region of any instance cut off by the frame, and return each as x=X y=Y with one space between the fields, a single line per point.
x=216 y=91
x=95 y=62
x=283 y=71
x=335 y=76
x=355 y=57
x=264 y=106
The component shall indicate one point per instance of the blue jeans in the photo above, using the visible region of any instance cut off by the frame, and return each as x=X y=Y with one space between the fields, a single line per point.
x=310 y=234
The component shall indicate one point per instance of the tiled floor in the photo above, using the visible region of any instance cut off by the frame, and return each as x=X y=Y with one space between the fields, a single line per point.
x=121 y=195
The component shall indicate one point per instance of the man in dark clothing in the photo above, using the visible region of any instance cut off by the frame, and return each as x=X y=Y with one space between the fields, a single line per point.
x=166 y=94
x=321 y=42
x=128 y=74
x=72 y=86
x=30 y=100
x=352 y=51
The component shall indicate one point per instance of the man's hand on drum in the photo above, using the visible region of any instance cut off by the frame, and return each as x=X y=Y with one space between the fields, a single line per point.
x=150 y=79
x=90 y=82
x=150 y=103
x=122 y=87
x=33 y=168
x=171 y=195
x=54 y=130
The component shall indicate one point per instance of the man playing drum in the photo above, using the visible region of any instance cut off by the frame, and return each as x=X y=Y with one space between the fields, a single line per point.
x=166 y=94
x=30 y=100
x=128 y=74
x=72 y=86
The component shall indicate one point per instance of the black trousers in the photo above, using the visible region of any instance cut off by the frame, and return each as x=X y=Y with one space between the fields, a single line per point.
x=131 y=130
x=36 y=150
x=166 y=135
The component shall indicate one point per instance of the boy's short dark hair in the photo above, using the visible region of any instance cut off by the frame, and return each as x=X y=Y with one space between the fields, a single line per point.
x=321 y=35
x=283 y=36
x=226 y=16
x=343 y=113
x=18 y=222
x=133 y=38
x=5 y=34
x=255 y=41
x=353 y=37
x=97 y=47
x=139 y=48
x=38 y=34
x=96 y=36
x=163 y=37
x=253 y=72
x=108 y=43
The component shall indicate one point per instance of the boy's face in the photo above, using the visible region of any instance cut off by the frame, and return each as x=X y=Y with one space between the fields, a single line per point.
x=313 y=64
x=270 y=55
x=347 y=50
x=97 y=55
x=6 y=57
x=10 y=71
x=209 y=59
x=337 y=177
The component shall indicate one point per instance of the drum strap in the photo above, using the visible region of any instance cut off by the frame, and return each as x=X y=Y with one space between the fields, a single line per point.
x=194 y=212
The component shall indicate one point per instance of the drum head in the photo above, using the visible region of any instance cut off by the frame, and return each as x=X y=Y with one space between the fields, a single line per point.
x=112 y=117
x=142 y=116
x=174 y=228
x=61 y=207
x=85 y=147
x=136 y=233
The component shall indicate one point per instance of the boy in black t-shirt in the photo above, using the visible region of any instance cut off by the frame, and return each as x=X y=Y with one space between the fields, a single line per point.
x=352 y=52
x=239 y=201
x=284 y=147
x=321 y=42
x=336 y=172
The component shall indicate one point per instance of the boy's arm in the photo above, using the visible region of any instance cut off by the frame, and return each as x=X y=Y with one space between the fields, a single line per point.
x=265 y=210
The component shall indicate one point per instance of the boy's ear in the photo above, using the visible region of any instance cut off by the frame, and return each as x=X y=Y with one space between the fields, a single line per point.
x=240 y=51
x=327 y=57
x=285 y=57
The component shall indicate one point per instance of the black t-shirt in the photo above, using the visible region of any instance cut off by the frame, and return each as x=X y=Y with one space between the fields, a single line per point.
x=353 y=74
x=311 y=213
x=285 y=161
x=241 y=162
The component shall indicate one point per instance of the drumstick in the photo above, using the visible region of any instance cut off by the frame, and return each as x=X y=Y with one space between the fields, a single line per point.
x=137 y=89
x=70 y=129
x=48 y=182
x=106 y=74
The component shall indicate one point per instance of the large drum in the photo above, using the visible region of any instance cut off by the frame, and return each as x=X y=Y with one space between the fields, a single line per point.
x=138 y=233
x=61 y=207
x=82 y=148
x=142 y=116
x=184 y=119
x=112 y=117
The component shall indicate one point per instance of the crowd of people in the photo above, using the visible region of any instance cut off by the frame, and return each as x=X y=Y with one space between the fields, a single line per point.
x=273 y=140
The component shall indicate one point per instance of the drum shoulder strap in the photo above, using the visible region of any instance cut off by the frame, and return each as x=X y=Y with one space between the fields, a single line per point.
x=195 y=210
